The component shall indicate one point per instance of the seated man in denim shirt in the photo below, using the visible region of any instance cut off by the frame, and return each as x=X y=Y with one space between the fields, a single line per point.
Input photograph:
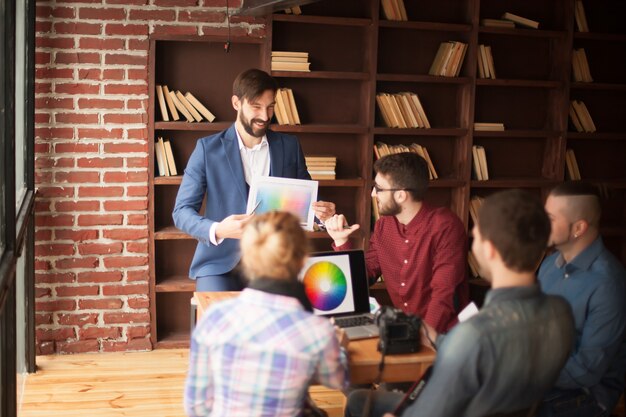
x=584 y=272
x=507 y=356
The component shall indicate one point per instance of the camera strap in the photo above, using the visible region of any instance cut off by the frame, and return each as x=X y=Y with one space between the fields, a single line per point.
x=367 y=408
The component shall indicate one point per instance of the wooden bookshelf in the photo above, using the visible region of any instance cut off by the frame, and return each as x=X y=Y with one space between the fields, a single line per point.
x=355 y=53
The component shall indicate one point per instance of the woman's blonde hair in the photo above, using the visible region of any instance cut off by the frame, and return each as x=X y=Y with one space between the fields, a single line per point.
x=273 y=245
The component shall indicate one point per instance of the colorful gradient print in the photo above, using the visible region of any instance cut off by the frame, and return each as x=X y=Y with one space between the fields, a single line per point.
x=325 y=285
x=274 y=197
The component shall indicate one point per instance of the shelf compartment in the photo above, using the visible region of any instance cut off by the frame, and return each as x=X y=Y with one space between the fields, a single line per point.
x=597 y=135
x=164 y=201
x=425 y=26
x=514 y=183
x=600 y=159
x=602 y=37
x=446 y=12
x=418 y=78
x=606 y=16
x=321 y=20
x=523 y=32
x=500 y=82
x=598 y=86
x=452 y=131
x=321 y=128
x=351 y=151
x=519 y=108
x=324 y=75
x=345 y=8
x=174 y=323
x=518 y=133
x=605 y=107
x=607 y=62
x=550 y=15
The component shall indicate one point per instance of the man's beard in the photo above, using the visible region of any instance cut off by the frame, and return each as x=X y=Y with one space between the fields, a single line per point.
x=247 y=126
x=390 y=209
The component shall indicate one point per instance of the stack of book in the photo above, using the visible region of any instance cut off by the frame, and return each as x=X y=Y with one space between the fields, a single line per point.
x=165 y=158
x=479 y=158
x=290 y=61
x=580 y=66
x=497 y=23
x=581 y=18
x=403 y=110
x=488 y=127
x=321 y=167
x=581 y=119
x=572 y=165
x=449 y=59
x=285 y=110
x=394 y=10
x=475 y=204
x=486 y=68
x=382 y=149
x=174 y=101
x=294 y=10
x=521 y=21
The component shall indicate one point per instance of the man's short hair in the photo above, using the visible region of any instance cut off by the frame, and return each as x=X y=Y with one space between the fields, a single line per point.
x=406 y=170
x=517 y=225
x=584 y=201
x=575 y=188
x=253 y=82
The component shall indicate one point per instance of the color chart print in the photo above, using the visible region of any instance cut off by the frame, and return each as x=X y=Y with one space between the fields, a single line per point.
x=325 y=285
x=273 y=197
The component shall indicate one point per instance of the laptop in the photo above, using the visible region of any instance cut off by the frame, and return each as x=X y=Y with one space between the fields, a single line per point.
x=337 y=286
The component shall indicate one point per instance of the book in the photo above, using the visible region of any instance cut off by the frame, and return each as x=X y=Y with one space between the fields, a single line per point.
x=287 y=103
x=169 y=156
x=431 y=166
x=576 y=68
x=492 y=69
x=383 y=111
x=474 y=206
x=448 y=59
x=572 y=165
x=488 y=127
x=162 y=105
x=478 y=172
x=180 y=107
x=200 y=107
x=581 y=17
x=403 y=15
x=290 y=66
x=481 y=69
x=483 y=58
x=159 y=153
x=407 y=112
x=420 y=109
x=414 y=110
x=484 y=171
x=292 y=105
x=522 y=21
x=191 y=109
x=575 y=119
x=290 y=54
x=584 y=116
x=281 y=110
x=584 y=66
x=170 y=103
x=497 y=23
x=387 y=9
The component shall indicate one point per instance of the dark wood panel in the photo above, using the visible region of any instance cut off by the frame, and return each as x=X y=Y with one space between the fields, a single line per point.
x=174 y=311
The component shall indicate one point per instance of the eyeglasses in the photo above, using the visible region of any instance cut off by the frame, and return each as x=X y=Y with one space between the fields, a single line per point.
x=378 y=189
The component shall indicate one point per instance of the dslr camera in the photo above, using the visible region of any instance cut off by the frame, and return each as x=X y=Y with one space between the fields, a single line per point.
x=399 y=332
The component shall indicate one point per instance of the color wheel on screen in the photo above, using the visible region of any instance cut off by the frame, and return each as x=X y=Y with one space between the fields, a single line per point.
x=325 y=285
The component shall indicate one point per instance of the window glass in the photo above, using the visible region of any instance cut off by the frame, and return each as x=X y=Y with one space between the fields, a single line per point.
x=21 y=51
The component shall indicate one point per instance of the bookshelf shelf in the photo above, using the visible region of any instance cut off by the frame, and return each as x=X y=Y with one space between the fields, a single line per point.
x=176 y=283
x=591 y=36
x=170 y=233
x=515 y=183
x=355 y=182
x=425 y=26
x=324 y=75
x=198 y=127
x=598 y=86
x=420 y=132
x=174 y=340
x=528 y=33
x=597 y=136
x=517 y=134
x=171 y=180
x=322 y=20
x=413 y=78
x=320 y=128
x=499 y=82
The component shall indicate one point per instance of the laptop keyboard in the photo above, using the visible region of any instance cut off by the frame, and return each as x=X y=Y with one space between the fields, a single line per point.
x=353 y=321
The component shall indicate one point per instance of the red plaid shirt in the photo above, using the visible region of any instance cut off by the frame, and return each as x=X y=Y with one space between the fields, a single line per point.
x=423 y=264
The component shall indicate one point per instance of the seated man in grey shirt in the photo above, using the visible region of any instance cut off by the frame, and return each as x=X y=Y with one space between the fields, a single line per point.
x=507 y=356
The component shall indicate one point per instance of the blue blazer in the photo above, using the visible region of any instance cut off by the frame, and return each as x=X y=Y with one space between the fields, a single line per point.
x=215 y=168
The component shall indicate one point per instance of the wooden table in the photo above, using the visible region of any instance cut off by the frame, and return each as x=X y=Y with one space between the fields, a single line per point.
x=363 y=355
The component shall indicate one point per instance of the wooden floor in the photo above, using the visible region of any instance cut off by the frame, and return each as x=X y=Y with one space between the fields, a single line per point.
x=143 y=384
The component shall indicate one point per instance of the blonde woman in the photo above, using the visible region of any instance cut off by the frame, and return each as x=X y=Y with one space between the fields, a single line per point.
x=255 y=355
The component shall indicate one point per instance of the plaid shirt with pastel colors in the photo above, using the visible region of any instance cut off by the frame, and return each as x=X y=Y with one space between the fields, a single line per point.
x=255 y=355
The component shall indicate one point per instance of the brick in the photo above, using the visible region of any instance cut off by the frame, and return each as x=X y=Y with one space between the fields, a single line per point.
x=175 y=30
x=138 y=45
x=43 y=88
x=102 y=14
x=41 y=235
x=77 y=176
x=43 y=177
x=76 y=235
x=62 y=333
x=100 y=162
x=77 y=58
x=80 y=319
x=43 y=27
x=137 y=219
x=72 y=206
x=42 y=265
x=100 y=219
x=42 y=118
x=222 y=31
x=132 y=2
x=100 y=133
x=73 y=147
x=42 y=58
x=66 y=291
x=99 y=333
x=101 y=44
x=81 y=346
x=137 y=74
x=100 y=248
x=54 y=249
x=125 y=261
x=137 y=104
x=125 y=177
x=125 y=59
x=56 y=73
x=126 y=205
x=89 y=74
x=117 y=29
x=76 y=88
x=54 y=133
x=125 y=289
x=54 y=220
x=41 y=319
x=137 y=133
x=42 y=292
x=54 y=103
x=125 y=234
x=77 y=28
x=113 y=74
x=125 y=318
x=134 y=332
x=42 y=206
x=178 y=3
x=203 y=16
x=100 y=304
x=247 y=19
x=100 y=276
x=137 y=191
x=74 y=263
x=126 y=118
x=152 y=15
x=76 y=118
x=132 y=345
x=55 y=305
x=55 y=278
x=57 y=12
x=99 y=103
x=125 y=147
x=137 y=275
x=54 y=43
x=139 y=303
x=44 y=348
x=101 y=191
x=137 y=247
x=222 y=3
x=137 y=162
x=48 y=192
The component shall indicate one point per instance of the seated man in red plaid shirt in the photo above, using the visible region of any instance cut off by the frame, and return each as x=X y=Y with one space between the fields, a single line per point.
x=420 y=250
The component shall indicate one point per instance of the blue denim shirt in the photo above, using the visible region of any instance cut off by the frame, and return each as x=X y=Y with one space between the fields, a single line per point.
x=503 y=359
x=594 y=283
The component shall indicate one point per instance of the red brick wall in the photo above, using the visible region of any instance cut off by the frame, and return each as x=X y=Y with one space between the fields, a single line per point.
x=91 y=162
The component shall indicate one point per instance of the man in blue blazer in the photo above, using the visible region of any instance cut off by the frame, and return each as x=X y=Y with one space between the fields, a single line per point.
x=223 y=167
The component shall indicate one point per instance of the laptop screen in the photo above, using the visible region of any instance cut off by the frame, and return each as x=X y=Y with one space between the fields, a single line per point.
x=336 y=282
